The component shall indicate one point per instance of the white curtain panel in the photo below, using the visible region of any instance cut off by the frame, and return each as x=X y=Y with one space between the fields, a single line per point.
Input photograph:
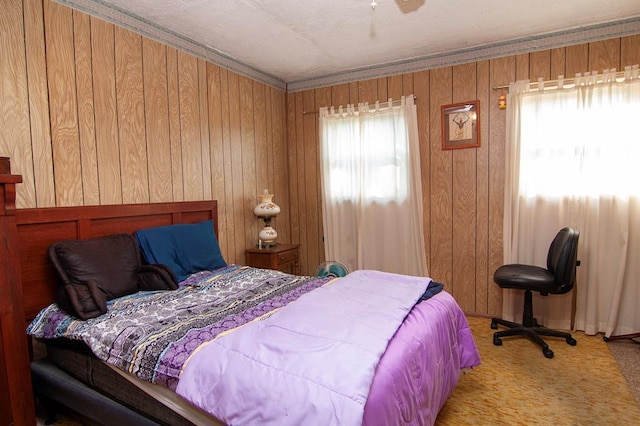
x=573 y=159
x=371 y=187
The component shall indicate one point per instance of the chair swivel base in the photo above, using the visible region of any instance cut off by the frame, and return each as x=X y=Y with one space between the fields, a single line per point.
x=534 y=332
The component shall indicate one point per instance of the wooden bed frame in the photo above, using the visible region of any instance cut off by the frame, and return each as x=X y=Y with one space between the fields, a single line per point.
x=30 y=283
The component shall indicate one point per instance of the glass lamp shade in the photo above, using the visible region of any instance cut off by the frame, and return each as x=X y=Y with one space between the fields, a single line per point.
x=267 y=209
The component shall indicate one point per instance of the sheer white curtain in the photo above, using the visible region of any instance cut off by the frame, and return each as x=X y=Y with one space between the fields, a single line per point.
x=573 y=159
x=371 y=187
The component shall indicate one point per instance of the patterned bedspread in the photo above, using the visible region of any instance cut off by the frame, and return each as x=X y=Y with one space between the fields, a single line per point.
x=151 y=334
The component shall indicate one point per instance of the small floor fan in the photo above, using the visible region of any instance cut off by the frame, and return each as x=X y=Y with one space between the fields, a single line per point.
x=331 y=269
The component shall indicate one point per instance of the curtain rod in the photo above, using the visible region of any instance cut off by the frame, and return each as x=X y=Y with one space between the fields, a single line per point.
x=394 y=103
x=570 y=80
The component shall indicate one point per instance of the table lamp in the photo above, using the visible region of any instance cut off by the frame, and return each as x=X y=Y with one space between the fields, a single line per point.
x=266 y=210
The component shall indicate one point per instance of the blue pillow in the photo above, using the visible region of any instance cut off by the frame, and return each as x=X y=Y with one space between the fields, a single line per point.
x=185 y=248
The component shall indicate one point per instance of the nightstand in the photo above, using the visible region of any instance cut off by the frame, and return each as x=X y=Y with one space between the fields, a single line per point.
x=283 y=257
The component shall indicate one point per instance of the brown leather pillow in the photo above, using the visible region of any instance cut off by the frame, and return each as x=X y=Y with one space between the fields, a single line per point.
x=93 y=271
x=112 y=262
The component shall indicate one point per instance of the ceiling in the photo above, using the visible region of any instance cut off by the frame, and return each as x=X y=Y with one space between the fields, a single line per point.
x=299 y=44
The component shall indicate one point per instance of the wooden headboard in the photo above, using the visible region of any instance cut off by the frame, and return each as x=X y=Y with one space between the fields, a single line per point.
x=38 y=228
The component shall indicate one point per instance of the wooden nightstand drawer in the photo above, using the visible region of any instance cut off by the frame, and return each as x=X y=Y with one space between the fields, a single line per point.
x=288 y=256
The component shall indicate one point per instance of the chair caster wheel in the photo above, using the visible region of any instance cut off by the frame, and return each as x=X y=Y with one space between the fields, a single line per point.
x=497 y=341
x=548 y=353
x=605 y=338
x=494 y=326
x=572 y=341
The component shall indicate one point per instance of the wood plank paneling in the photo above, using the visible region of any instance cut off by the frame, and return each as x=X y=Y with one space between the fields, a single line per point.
x=629 y=51
x=228 y=175
x=292 y=151
x=323 y=98
x=394 y=88
x=86 y=113
x=105 y=106
x=217 y=150
x=604 y=54
x=297 y=167
x=263 y=158
x=15 y=139
x=248 y=163
x=464 y=196
x=540 y=65
x=263 y=147
x=407 y=84
x=205 y=151
x=339 y=96
x=156 y=118
x=483 y=277
x=522 y=67
x=353 y=93
x=190 y=142
x=42 y=176
x=309 y=252
x=558 y=59
x=367 y=91
x=383 y=88
x=131 y=129
x=577 y=59
x=235 y=141
x=177 y=179
x=272 y=141
x=500 y=70
x=441 y=173
x=65 y=138
x=280 y=147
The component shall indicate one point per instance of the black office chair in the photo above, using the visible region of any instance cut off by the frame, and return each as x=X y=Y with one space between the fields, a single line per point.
x=558 y=278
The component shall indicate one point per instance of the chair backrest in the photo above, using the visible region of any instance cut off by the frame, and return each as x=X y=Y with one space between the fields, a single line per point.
x=562 y=259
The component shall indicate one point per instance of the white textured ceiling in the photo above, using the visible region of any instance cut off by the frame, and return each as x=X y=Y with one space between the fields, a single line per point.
x=297 y=41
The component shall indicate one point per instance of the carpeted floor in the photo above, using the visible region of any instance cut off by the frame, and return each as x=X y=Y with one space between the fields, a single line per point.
x=517 y=385
x=627 y=355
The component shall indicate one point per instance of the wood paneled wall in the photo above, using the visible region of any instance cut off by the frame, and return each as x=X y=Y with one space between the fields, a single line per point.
x=94 y=114
x=462 y=189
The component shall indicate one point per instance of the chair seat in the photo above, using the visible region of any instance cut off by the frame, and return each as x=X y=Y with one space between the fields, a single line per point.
x=525 y=277
x=557 y=278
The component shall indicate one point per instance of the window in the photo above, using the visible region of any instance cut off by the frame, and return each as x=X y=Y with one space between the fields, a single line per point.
x=368 y=158
x=579 y=147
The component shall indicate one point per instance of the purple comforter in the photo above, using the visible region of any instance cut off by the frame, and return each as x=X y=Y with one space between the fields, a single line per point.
x=313 y=361
x=421 y=365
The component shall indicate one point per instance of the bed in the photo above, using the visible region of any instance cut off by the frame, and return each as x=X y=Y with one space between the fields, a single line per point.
x=407 y=374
